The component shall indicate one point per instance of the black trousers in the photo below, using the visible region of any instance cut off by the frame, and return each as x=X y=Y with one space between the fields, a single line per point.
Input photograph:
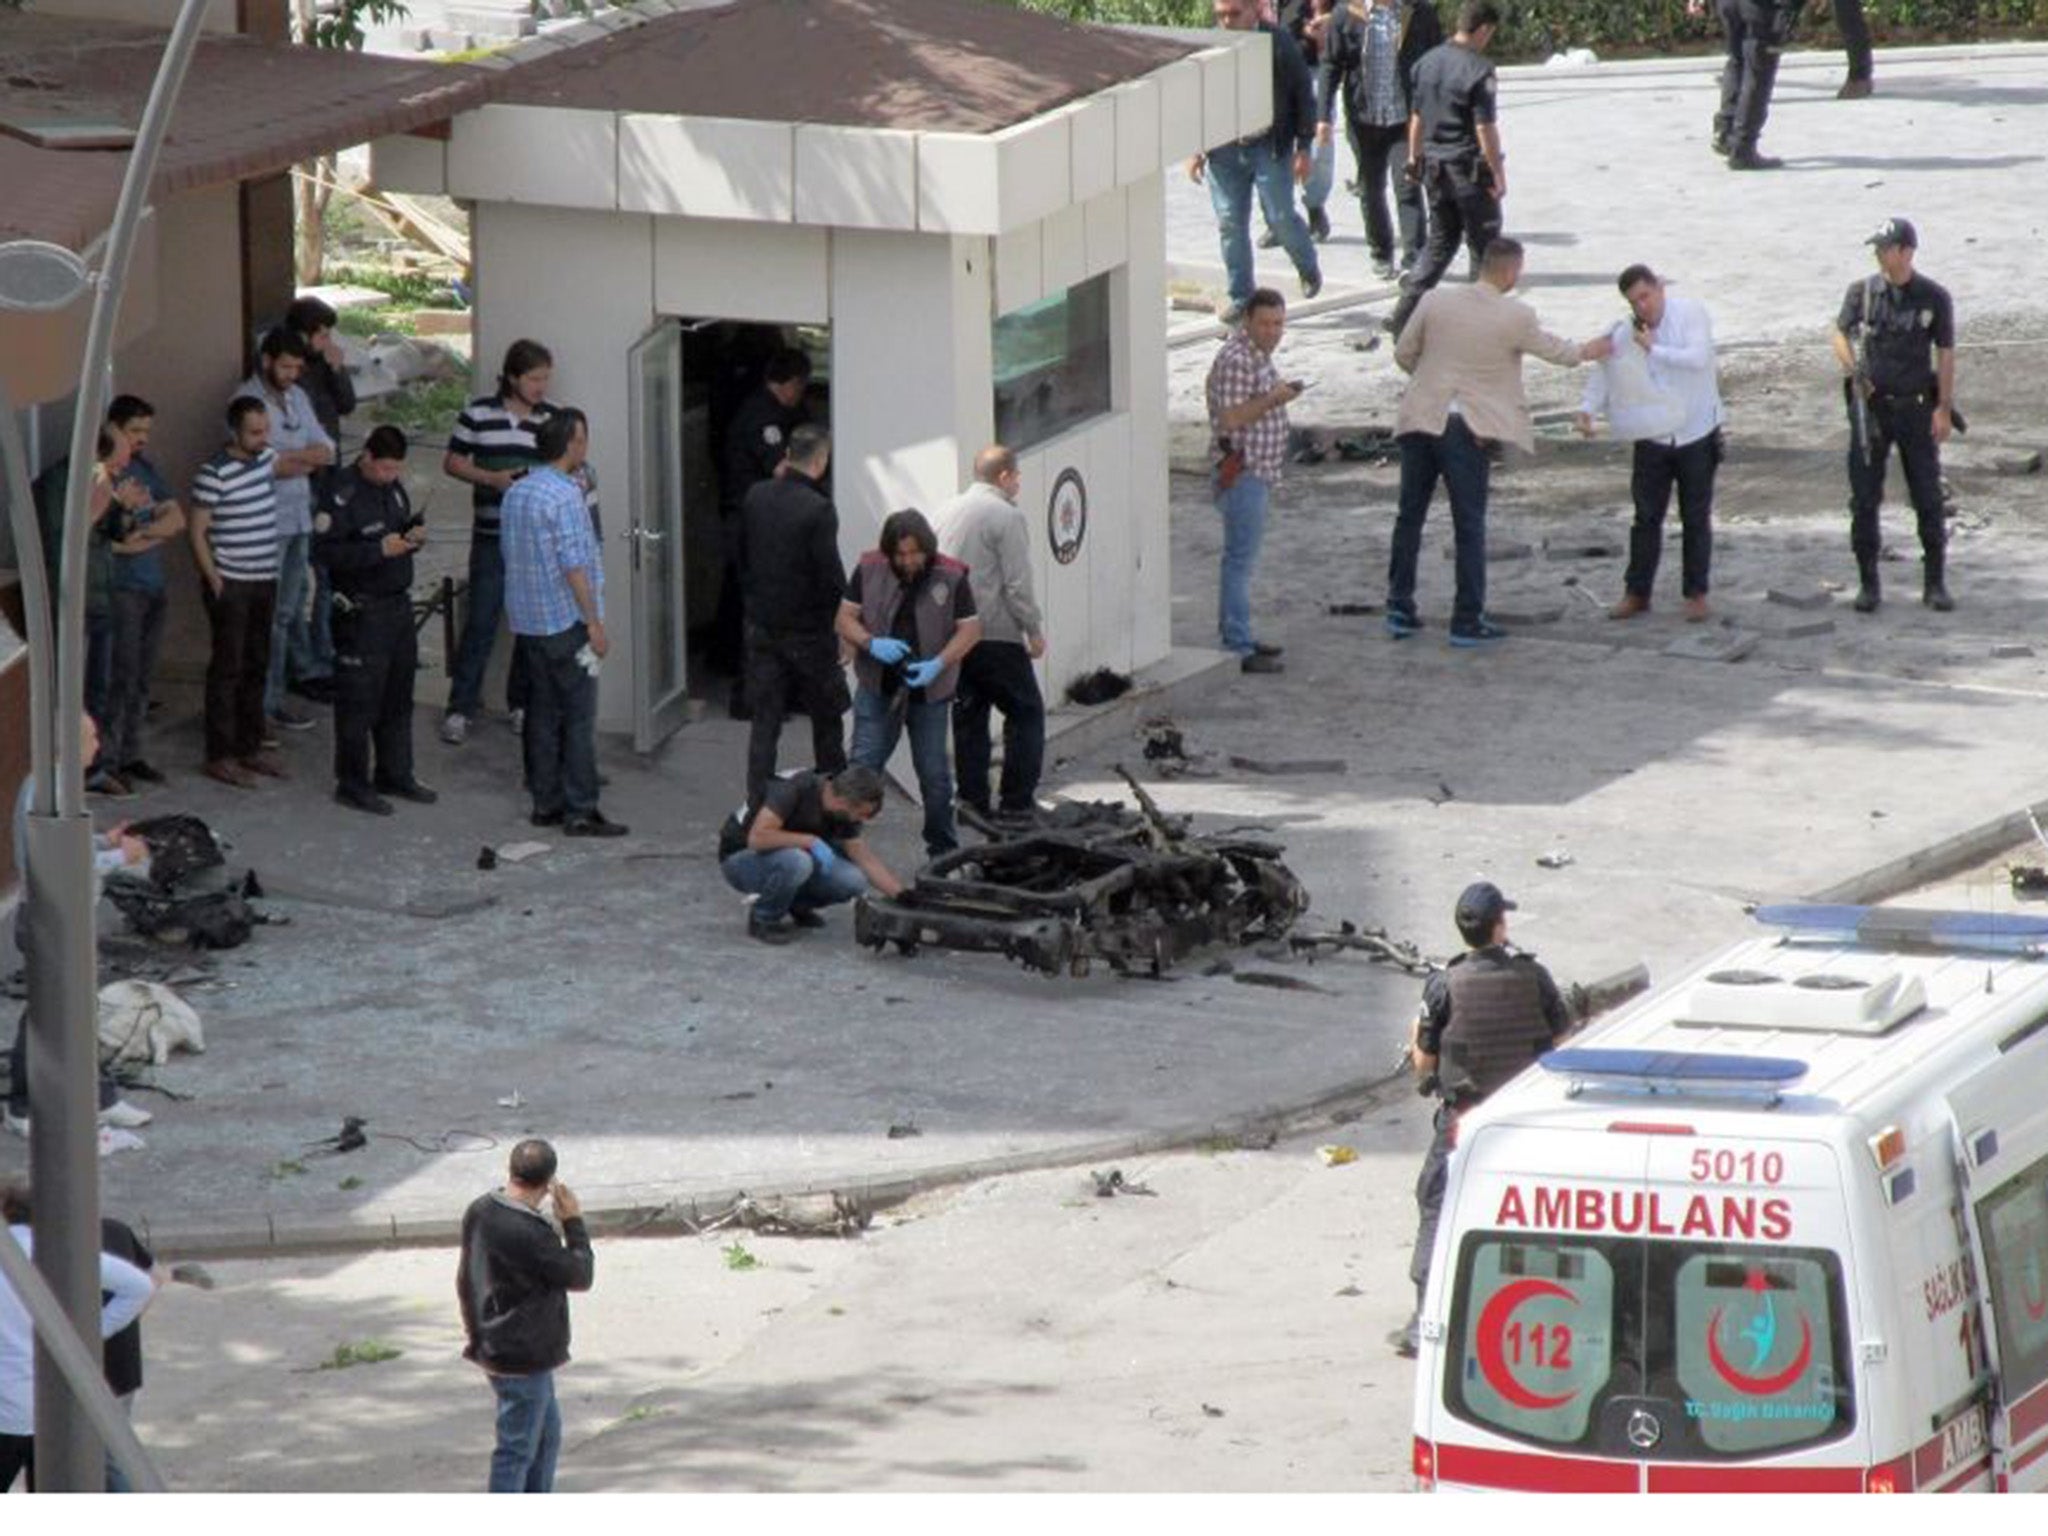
x=1905 y=422
x=240 y=617
x=1658 y=468
x=1462 y=210
x=794 y=673
x=1429 y=1196
x=376 y=657
x=1855 y=32
x=1381 y=153
x=561 y=724
x=17 y=1454
x=1754 y=32
x=997 y=674
x=17 y=1087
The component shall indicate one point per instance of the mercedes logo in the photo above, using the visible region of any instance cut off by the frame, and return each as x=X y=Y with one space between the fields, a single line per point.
x=1643 y=1429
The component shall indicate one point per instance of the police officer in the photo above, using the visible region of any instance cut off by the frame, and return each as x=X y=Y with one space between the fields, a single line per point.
x=755 y=444
x=1485 y=1017
x=365 y=538
x=1754 y=33
x=792 y=578
x=1895 y=340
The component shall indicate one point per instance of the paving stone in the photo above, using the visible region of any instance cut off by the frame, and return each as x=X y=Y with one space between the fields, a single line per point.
x=2011 y=652
x=1498 y=549
x=1714 y=645
x=1534 y=613
x=1800 y=629
x=1588 y=546
x=1799 y=597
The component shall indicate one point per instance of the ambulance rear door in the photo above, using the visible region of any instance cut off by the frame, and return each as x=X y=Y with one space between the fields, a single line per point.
x=2001 y=1125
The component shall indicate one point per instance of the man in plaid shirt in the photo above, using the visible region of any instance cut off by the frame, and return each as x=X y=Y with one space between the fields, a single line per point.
x=1248 y=430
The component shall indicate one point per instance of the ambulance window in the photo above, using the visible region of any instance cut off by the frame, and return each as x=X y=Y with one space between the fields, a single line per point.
x=2014 y=1224
x=1759 y=1341
x=1533 y=1341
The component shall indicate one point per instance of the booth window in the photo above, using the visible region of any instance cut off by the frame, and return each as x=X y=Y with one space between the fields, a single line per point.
x=1052 y=364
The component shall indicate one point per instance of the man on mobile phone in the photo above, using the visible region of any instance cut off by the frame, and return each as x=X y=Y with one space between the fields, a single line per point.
x=1248 y=448
x=513 y=1285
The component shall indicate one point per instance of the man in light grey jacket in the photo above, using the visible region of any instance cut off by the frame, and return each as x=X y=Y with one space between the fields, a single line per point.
x=985 y=530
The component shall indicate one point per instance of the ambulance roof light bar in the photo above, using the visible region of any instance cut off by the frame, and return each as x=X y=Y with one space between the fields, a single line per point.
x=1674 y=1074
x=1907 y=928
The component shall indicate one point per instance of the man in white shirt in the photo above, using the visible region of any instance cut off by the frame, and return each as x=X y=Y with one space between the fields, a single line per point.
x=1676 y=430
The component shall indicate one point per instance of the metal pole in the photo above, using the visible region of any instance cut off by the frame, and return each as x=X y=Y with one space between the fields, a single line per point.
x=57 y=931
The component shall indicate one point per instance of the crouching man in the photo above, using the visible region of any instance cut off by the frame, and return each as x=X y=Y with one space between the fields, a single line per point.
x=802 y=850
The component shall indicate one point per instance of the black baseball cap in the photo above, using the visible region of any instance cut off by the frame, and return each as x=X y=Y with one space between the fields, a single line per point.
x=1895 y=232
x=1480 y=905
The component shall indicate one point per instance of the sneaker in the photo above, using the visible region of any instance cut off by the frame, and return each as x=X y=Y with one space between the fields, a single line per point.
x=411 y=789
x=113 y=1139
x=1383 y=268
x=290 y=720
x=1406 y=1341
x=517 y=721
x=137 y=771
x=1319 y=224
x=1261 y=665
x=1750 y=160
x=109 y=785
x=1260 y=648
x=455 y=729
x=1230 y=314
x=1401 y=624
x=1482 y=631
x=592 y=824
x=125 y=1116
x=771 y=931
x=365 y=800
x=1935 y=595
x=1311 y=285
x=806 y=917
x=18 y=1124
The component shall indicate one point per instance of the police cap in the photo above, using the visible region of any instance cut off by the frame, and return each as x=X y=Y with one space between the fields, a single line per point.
x=1895 y=232
x=1480 y=906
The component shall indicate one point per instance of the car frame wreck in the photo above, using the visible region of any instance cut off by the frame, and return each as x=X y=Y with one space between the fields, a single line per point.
x=1136 y=891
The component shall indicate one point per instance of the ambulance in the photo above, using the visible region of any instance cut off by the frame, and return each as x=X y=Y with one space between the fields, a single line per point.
x=1780 y=1226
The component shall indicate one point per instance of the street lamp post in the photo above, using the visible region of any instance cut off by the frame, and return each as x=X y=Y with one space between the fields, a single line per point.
x=57 y=924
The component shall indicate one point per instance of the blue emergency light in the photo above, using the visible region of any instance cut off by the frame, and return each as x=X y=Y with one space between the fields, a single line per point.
x=1996 y=933
x=1696 y=1074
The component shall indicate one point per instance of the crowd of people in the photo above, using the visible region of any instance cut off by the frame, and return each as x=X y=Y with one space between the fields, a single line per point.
x=1462 y=347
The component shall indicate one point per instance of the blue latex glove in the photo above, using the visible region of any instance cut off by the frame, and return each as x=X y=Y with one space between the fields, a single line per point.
x=922 y=674
x=887 y=649
x=823 y=856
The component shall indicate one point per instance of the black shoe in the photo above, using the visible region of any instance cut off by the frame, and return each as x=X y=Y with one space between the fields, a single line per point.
x=1935 y=596
x=1260 y=648
x=737 y=707
x=1406 y=1341
x=1750 y=160
x=592 y=824
x=779 y=930
x=1867 y=597
x=136 y=771
x=1265 y=665
x=1854 y=90
x=320 y=690
x=411 y=789
x=1319 y=224
x=362 y=800
x=805 y=917
x=1721 y=144
x=1311 y=285
x=1383 y=268
x=546 y=818
x=1482 y=631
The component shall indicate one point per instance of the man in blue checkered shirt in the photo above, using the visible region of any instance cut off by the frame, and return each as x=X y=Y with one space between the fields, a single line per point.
x=554 y=600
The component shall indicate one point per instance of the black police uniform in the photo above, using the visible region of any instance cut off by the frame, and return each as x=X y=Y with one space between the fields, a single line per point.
x=755 y=444
x=1453 y=94
x=792 y=579
x=1897 y=331
x=1485 y=1017
x=1755 y=33
x=375 y=649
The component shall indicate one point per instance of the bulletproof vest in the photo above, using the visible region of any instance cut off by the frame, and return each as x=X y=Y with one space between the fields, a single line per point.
x=1497 y=1026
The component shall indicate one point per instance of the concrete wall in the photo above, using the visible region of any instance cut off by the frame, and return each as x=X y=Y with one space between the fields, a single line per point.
x=581 y=283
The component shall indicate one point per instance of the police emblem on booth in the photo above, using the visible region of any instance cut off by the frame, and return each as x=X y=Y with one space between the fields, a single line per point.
x=1066 y=516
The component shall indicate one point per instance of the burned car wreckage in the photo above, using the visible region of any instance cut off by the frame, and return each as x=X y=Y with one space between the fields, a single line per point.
x=1135 y=890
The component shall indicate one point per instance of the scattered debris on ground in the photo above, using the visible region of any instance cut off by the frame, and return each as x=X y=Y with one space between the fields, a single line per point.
x=1112 y=1183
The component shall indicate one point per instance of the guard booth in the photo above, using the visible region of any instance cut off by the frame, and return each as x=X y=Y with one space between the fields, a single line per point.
x=955 y=207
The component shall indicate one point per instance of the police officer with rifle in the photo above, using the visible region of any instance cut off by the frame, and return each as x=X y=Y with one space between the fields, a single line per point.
x=1895 y=340
x=1485 y=1016
x=365 y=537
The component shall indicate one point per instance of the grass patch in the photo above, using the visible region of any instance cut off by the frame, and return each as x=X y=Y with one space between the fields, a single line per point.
x=412 y=290
x=384 y=320
x=737 y=1257
x=423 y=409
x=369 y=1352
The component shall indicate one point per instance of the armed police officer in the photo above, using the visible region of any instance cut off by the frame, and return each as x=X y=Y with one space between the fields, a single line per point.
x=365 y=538
x=1895 y=339
x=1485 y=1017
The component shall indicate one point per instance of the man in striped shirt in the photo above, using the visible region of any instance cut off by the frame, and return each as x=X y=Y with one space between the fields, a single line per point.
x=235 y=545
x=554 y=599
x=491 y=448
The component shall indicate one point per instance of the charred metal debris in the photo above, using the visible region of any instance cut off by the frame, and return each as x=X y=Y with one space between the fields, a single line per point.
x=1135 y=890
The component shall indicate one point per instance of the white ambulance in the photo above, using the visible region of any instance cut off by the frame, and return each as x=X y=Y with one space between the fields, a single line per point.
x=1779 y=1226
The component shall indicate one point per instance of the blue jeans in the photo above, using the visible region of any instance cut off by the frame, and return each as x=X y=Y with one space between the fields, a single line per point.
x=486 y=605
x=1234 y=172
x=529 y=1434
x=291 y=636
x=789 y=879
x=1243 y=508
x=1456 y=458
x=1322 y=165
x=877 y=725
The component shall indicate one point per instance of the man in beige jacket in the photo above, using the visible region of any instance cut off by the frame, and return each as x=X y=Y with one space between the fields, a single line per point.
x=1463 y=351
